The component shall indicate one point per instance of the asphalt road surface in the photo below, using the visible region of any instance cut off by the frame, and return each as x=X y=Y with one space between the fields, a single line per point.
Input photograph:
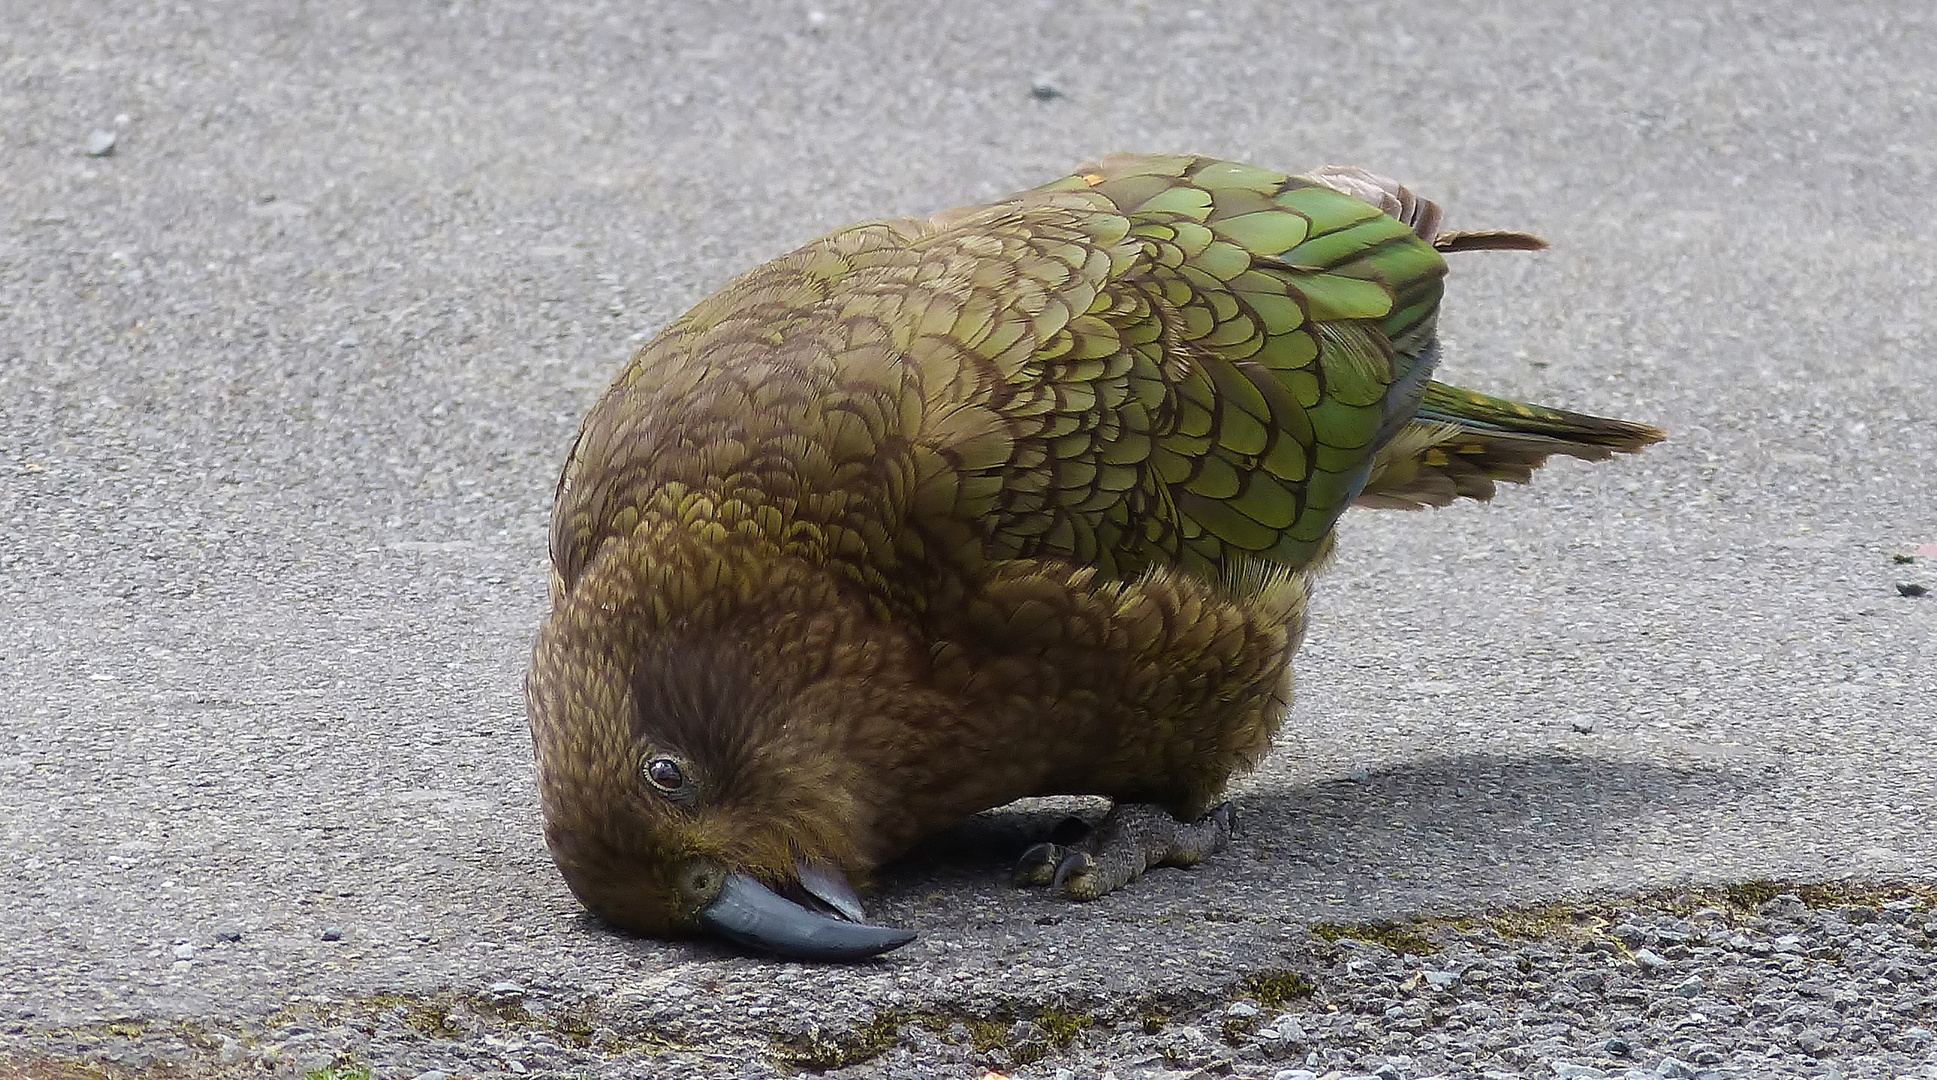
x=300 y=305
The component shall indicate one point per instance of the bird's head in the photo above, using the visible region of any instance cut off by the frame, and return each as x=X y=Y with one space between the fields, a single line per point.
x=692 y=775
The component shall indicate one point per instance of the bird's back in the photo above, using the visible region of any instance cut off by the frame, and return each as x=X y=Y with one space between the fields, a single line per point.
x=1156 y=360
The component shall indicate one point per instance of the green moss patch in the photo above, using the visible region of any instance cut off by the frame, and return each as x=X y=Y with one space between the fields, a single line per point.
x=820 y=1050
x=1402 y=938
x=1274 y=989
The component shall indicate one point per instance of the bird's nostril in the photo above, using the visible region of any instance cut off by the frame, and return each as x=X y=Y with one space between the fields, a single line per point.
x=701 y=881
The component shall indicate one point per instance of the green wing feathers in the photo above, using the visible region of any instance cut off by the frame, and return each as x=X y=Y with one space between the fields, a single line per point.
x=1219 y=389
x=1244 y=362
x=1157 y=361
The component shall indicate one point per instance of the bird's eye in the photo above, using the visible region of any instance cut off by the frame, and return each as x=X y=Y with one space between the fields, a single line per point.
x=665 y=774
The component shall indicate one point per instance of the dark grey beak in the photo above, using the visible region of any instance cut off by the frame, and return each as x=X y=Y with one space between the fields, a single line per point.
x=754 y=915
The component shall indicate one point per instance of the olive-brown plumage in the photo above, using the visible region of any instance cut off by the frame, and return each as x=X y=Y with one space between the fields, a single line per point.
x=1021 y=499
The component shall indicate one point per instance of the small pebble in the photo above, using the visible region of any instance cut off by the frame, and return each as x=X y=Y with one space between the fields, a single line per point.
x=1567 y=1070
x=184 y=951
x=505 y=991
x=1617 y=1046
x=1674 y=1068
x=1042 y=89
x=1294 y=1074
x=1288 y=1029
x=101 y=143
x=228 y=935
x=1241 y=1010
x=1649 y=960
x=332 y=933
x=1910 y=588
x=432 y=1074
x=1690 y=987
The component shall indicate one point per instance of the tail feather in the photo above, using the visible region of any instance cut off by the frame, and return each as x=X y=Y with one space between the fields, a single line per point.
x=1462 y=443
x=1488 y=240
x=1421 y=215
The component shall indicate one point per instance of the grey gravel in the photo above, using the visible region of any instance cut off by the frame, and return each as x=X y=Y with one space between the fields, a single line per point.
x=265 y=598
x=1849 y=1000
x=1843 y=998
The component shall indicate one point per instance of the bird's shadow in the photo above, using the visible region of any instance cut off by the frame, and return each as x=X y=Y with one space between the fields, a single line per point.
x=1463 y=826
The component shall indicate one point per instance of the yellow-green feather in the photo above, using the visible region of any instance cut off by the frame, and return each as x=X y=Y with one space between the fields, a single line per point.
x=1157 y=361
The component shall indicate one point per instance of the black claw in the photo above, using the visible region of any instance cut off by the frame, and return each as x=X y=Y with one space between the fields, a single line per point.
x=1038 y=865
x=1226 y=816
x=1077 y=864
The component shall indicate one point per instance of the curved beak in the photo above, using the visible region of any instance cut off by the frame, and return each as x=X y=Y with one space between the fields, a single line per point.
x=754 y=915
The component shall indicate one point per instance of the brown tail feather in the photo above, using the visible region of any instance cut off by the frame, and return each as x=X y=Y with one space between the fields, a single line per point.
x=1489 y=240
x=1421 y=215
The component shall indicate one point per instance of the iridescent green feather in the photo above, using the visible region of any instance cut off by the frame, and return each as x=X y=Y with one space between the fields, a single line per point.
x=1274 y=302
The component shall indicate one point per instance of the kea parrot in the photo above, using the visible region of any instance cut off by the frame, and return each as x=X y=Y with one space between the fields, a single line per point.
x=1020 y=499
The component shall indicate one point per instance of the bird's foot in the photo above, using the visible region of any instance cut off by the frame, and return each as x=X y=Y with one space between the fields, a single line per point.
x=1038 y=864
x=1134 y=837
